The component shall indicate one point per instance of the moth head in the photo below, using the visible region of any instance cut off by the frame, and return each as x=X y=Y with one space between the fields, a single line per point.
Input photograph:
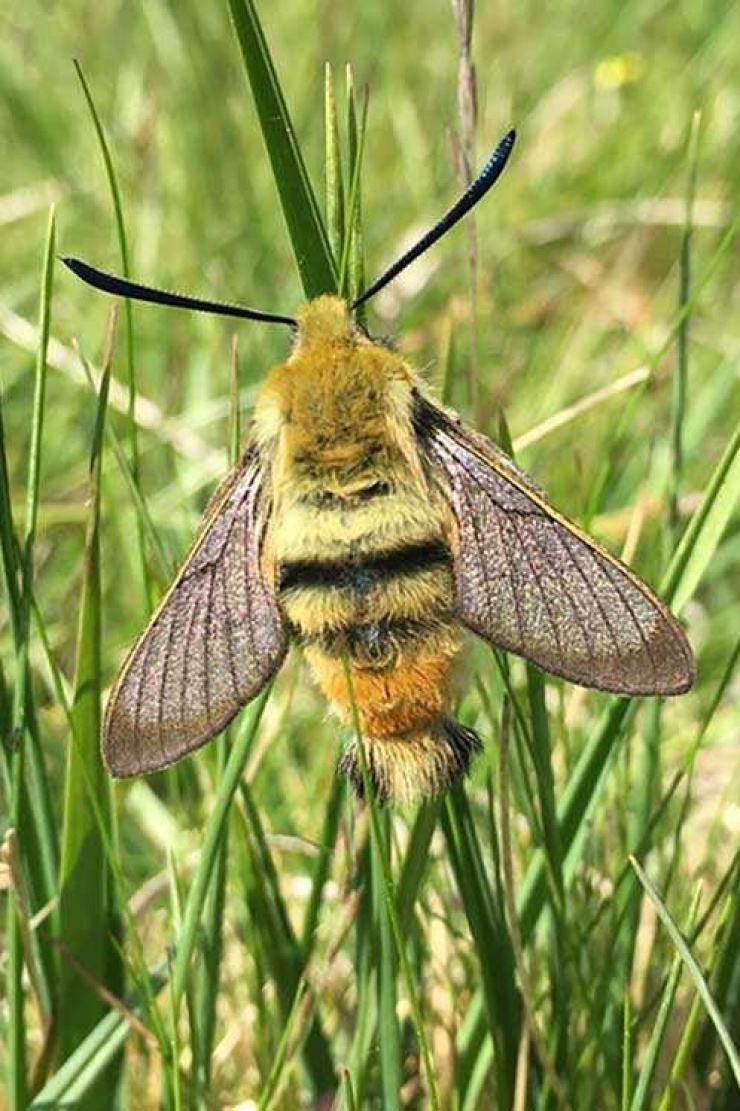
x=326 y=319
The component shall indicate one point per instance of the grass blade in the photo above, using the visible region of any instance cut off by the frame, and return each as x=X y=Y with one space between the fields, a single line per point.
x=527 y=992
x=29 y=804
x=391 y=1078
x=164 y=565
x=29 y=799
x=15 y=1065
x=39 y=793
x=694 y=971
x=203 y=1030
x=203 y=1027
x=389 y=895
x=726 y=982
x=287 y=1041
x=576 y=801
x=491 y=938
x=305 y=227
x=660 y=1026
x=281 y=948
x=333 y=162
x=87 y=904
x=115 y=192
x=213 y=833
x=682 y=1057
x=39 y=398
x=320 y=875
x=681 y=373
x=416 y=860
x=92 y=1057
x=649 y=1065
x=365 y=961
x=348 y=1092
x=540 y=748
x=704 y=532
x=352 y=264
x=463 y=143
x=626 y=1053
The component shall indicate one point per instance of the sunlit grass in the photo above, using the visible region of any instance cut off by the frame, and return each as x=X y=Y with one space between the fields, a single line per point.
x=278 y=940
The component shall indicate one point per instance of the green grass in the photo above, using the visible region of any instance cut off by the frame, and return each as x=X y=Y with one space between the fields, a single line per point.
x=564 y=930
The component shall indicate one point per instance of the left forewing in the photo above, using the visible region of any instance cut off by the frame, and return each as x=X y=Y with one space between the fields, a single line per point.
x=214 y=642
x=529 y=581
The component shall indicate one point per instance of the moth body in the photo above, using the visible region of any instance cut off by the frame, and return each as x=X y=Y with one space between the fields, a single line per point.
x=372 y=527
x=358 y=546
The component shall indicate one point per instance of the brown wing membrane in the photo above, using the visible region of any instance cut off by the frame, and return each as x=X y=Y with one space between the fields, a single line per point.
x=529 y=581
x=211 y=646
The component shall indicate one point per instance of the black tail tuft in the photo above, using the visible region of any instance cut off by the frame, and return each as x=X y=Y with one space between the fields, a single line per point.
x=416 y=765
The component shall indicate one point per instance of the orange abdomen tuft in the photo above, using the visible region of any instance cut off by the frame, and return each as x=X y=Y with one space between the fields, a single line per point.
x=396 y=699
x=414 y=750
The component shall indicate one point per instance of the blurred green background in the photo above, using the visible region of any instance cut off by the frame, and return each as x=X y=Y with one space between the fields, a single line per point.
x=578 y=285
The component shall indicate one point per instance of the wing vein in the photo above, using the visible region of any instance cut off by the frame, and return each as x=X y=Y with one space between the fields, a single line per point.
x=502 y=544
x=229 y=638
x=140 y=691
x=593 y=593
x=472 y=517
x=186 y=652
x=543 y=593
x=162 y=685
x=583 y=625
x=248 y=555
x=635 y=621
x=206 y=641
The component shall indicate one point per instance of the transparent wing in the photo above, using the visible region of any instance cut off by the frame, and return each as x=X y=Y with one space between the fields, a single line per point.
x=529 y=581
x=214 y=642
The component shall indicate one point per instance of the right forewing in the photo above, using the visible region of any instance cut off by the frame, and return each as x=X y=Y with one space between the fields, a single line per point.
x=530 y=581
x=214 y=642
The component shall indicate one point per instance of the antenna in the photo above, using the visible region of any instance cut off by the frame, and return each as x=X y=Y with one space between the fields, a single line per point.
x=122 y=287
x=488 y=177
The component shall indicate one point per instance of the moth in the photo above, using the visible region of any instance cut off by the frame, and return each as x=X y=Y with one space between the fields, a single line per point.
x=371 y=526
